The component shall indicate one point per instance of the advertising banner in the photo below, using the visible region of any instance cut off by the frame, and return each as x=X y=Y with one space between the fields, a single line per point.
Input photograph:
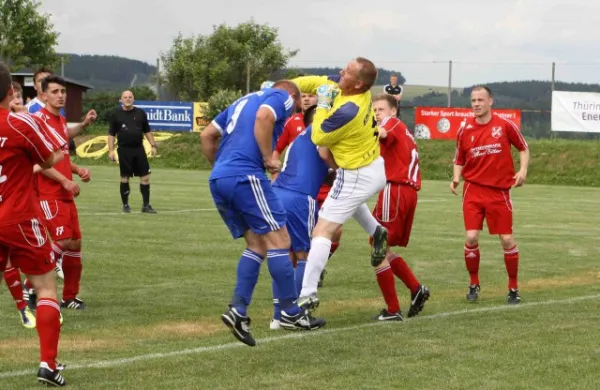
x=168 y=116
x=444 y=122
x=576 y=111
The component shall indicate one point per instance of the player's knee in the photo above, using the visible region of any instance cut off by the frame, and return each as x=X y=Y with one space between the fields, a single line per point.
x=278 y=239
x=44 y=285
x=384 y=263
x=75 y=245
x=66 y=243
x=145 y=179
x=337 y=236
x=326 y=229
x=124 y=179
x=507 y=241
x=472 y=238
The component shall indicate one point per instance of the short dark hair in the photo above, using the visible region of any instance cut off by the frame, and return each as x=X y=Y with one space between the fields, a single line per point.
x=43 y=69
x=17 y=87
x=393 y=75
x=367 y=73
x=391 y=101
x=5 y=81
x=484 y=88
x=52 y=79
x=309 y=115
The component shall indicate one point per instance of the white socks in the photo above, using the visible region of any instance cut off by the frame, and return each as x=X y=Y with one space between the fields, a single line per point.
x=315 y=264
x=364 y=217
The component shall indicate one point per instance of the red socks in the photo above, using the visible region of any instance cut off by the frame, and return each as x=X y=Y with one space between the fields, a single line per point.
x=387 y=285
x=403 y=272
x=48 y=328
x=71 y=263
x=511 y=261
x=12 y=277
x=472 y=258
x=334 y=246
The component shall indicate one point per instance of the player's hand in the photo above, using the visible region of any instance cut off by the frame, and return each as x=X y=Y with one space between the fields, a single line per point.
x=153 y=151
x=111 y=156
x=84 y=174
x=90 y=117
x=273 y=165
x=453 y=186
x=520 y=178
x=16 y=106
x=382 y=132
x=71 y=187
x=267 y=84
x=326 y=95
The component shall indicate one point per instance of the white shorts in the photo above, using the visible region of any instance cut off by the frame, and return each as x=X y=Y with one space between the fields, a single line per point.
x=352 y=188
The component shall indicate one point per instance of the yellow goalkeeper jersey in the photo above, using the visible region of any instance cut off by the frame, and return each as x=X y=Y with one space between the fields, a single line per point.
x=348 y=129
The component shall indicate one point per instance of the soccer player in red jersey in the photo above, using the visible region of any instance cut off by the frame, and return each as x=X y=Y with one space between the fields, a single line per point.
x=294 y=126
x=56 y=192
x=22 y=235
x=395 y=208
x=483 y=158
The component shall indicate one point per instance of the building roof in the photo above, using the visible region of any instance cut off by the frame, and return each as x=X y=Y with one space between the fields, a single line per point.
x=68 y=80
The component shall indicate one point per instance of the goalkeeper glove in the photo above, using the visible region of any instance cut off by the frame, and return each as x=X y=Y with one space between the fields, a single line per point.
x=267 y=84
x=325 y=96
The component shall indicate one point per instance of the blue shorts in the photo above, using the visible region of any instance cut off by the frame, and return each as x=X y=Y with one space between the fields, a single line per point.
x=302 y=214
x=247 y=202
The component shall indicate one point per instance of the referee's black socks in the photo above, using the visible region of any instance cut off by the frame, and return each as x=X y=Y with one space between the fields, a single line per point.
x=125 y=193
x=145 y=190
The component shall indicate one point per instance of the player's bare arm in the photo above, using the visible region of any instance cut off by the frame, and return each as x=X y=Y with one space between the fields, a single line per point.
x=521 y=176
x=58 y=177
x=210 y=137
x=83 y=173
x=56 y=157
x=457 y=173
x=263 y=132
x=90 y=117
x=150 y=139
x=327 y=156
x=111 y=148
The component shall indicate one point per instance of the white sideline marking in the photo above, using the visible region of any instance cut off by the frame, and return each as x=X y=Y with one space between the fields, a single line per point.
x=159 y=212
x=296 y=335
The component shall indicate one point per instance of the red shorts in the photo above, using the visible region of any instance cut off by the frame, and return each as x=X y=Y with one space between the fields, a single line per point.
x=61 y=218
x=322 y=195
x=395 y=210
x=28 y=246
x=492 y=204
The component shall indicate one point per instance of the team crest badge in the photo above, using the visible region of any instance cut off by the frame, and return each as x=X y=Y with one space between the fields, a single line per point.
x=496 y=131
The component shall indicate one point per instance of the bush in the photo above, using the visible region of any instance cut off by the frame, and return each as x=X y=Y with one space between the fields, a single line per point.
x=220 y=100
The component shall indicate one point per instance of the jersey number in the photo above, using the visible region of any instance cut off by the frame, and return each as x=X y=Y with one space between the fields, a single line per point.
x=3 y=178
x=236 y=114
x=60 y=230
x=413 y=168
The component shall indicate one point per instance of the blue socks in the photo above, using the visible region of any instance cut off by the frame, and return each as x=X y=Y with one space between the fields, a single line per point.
x=247 y=275
x=300 y=267
x=282 y=272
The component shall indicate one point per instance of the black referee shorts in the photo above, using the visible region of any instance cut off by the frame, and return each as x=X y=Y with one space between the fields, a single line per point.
x=133 y=162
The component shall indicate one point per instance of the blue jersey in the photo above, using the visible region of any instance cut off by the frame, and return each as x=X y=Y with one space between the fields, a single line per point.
x=238 y=152
x=35 y=105
x=303 y=170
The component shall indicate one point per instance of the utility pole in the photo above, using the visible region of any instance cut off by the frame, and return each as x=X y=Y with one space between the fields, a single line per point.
x=450 y=83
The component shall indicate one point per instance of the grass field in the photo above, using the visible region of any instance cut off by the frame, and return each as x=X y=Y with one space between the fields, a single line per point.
x=156 y=285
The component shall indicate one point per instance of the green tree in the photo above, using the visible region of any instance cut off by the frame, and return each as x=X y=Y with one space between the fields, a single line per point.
x=27 y=37
x=234 y=58
x=143 y=92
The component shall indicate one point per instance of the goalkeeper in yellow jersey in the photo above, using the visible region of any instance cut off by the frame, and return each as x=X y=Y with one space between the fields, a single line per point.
x=344 y=127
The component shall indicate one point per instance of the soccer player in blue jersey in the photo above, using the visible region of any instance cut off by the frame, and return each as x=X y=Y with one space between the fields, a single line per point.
x=242 y=192
x=304 y=170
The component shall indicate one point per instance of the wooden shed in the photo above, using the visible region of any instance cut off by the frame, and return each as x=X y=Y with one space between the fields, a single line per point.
x=75 y=90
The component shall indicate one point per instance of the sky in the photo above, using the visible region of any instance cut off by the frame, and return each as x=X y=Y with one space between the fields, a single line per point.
x=487 y=40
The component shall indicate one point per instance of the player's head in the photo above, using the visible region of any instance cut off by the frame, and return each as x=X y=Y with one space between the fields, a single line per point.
x=309 y=114
x=292 y=89
x=127 y=99
x=308 y=100
x=482 y=100
x=38 y=76
x=6 y=88
x=54 y=91
x=18 y=94
x=358 y=76
x=384 y=106
x=394 y=79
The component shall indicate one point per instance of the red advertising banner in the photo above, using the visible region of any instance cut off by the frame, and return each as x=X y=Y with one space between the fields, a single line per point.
x=444 y=122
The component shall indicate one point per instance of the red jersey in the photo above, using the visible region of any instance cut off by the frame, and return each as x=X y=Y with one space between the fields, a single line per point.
x=22 y=145
x=293 y=127
x=484 y=151
x=400 y=153
x=48 y=188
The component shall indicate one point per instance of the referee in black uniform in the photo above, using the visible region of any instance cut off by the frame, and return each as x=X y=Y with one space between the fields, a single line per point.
x=394 y=89
x=130 y=124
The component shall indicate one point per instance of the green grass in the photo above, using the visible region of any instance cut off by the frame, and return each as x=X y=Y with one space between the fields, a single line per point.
x=158 y=283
